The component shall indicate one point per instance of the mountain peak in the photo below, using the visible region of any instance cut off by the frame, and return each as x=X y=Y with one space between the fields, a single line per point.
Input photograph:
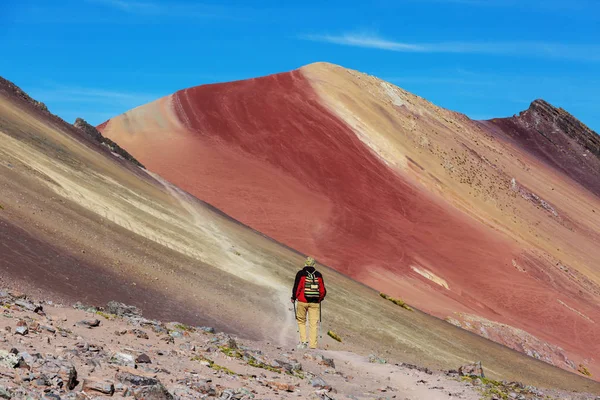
x=553 y=119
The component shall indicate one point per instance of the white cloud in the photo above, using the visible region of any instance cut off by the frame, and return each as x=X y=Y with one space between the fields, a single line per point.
x=175 y=9
x=548 y=5
x=131 y=6
x=73 y=94
x=583 y=52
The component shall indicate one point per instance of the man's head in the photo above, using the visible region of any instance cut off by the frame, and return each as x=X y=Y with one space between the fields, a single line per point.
x=310 y=262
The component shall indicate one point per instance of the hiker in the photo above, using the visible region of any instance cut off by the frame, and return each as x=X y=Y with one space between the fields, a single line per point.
x=309 y=291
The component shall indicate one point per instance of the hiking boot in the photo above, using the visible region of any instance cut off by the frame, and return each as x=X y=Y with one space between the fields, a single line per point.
x=302 y=346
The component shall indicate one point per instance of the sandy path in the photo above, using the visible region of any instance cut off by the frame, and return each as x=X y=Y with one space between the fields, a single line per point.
x=241 y=267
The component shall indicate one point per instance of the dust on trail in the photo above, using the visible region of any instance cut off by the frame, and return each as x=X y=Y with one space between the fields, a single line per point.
x=247 y=267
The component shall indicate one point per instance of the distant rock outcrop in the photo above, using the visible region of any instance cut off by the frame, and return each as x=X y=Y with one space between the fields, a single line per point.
x=81 y=125
x=557 y=138
x=543 y=112
x=96 y=136
x=18 y=92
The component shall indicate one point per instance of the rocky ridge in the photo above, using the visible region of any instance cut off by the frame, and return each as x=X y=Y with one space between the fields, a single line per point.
x=567 y=123
x=93 y=133
x=19 y=93
x=54 y=352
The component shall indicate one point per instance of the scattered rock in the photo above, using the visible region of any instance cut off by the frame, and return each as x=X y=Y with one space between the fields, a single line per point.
x=318 y=382
x=48 y=328
x=168 y=339
x=29 y=306
x=5 y=393
x=21 y=330
x=281 y=386
x=422 y=369
x=140 y=334
x=376 y=360
x=143 y=359
x=472 y=370
x=83 y=307
x=146 y=388
x=9 y=360
x=123 y=310
x=94 y=385
x=90 y=323
x=129 y=378
x=291 y=366
x=61 y=372
x=320 y=359
x=176 y=334
x=122 y=359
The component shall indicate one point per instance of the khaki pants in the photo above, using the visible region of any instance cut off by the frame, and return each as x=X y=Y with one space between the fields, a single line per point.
x=312 y=309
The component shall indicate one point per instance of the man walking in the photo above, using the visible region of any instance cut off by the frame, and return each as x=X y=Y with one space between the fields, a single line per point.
x=309 y=290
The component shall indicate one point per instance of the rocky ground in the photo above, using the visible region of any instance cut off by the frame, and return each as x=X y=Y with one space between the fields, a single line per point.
x=51 y=352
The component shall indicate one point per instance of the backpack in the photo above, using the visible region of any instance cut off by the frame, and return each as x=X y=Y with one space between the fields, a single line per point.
x=312 y=287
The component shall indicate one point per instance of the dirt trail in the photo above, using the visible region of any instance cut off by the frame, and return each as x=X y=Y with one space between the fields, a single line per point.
x=242 y=267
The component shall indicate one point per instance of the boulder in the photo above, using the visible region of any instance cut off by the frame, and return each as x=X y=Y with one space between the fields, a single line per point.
x=9 y=360
x=21 y=330
x=131 y=379
x=473 y=370
x=143 y=359
x=5 y=393
x=144 y=387
x=154 y=392
x=60 y=372
x=122 y=359
x=318 y=382
x=89 y=323
x=290 y=366
x=123 y=310
x=26 y=305
x=94 y=385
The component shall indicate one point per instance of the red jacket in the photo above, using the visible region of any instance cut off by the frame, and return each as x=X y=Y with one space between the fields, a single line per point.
x=298 y=290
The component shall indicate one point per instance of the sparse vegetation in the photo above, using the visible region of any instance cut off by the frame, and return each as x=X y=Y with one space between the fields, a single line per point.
x=212 y=365
x=252 y=361
x=501 y=390
x=1 y=207
x=583 y=370
x=106 y=315
x=398 y=302
x=183 y=327
x=334 y=336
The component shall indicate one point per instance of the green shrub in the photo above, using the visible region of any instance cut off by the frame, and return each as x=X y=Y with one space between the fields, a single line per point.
x=398 y=302
x=250 y=360
x=106 y=315
x=334 y=336
x=212 y=365
x=583 y=370
x=183 y=327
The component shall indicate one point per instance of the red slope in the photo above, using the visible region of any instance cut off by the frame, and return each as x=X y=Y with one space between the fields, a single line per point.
x=266 y=152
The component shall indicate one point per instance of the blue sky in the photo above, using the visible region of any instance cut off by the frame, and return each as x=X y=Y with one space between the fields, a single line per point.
x=486 y=58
